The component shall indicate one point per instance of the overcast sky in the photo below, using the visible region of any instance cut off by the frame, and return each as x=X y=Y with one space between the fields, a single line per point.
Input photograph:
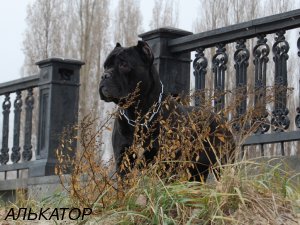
x=12 y=27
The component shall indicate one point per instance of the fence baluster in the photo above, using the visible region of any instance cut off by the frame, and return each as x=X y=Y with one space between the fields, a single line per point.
x=241 y=57
x=280 y=120
x=282 y=148
x=260 y=52
x=29 y=101
x=15 y=156
x=200 y=65
x=262 y=150
x=219 y=67
x=4 y=157
x=297 y=118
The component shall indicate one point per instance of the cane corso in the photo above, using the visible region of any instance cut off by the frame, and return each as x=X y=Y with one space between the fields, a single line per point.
x=132 y=67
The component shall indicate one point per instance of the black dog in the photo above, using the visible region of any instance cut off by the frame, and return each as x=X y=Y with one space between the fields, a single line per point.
x=127 y=68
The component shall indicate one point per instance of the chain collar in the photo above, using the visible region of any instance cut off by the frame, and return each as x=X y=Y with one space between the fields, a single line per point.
x=156 y=106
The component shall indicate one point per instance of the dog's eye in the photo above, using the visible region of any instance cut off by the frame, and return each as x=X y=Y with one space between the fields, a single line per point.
x=123 y=64
x=124 y=67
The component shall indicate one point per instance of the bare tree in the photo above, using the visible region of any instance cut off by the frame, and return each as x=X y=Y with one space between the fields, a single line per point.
x=69 y=29
x=128 y=23
x=42 y=36
x=278 y=6
x=164 y=13
x=42 y=40
x=100 y=39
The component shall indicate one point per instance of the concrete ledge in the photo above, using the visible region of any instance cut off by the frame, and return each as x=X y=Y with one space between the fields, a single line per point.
x=13 y=184
x=36 y=188
x=44 y=180
x=290 y=163
x=286 y=166
x=40 y=188
x=25 y=183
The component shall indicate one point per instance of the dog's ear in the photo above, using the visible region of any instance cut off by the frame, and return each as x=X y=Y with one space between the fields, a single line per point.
x=146 y=51
x=118 y=45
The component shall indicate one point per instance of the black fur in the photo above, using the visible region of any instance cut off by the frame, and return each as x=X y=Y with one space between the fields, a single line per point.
x=125 y=68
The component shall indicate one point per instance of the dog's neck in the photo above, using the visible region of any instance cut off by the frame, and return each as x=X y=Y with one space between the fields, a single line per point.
x=149 y=103
x=151 y=97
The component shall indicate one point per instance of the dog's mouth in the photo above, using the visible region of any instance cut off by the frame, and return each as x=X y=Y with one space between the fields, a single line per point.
x=106 y=96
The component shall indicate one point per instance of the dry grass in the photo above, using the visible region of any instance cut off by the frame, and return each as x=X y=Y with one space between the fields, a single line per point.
x=250 y=192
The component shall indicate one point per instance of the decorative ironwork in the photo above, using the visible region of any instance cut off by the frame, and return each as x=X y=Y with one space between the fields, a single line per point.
x=297 y=118
x=280 y=120
x=4 y=157
x=241 y=57
x=260 y=52
x=200 y=69
x=65 y=74
x=29 y=101
x=298 y=45
x=43 y=117
x=219 y=67
x=16 y=156
x=44 y=74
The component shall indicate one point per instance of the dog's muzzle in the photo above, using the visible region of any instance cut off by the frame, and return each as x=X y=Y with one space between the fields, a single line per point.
x=105 y=89
x=106 y=75
x=103 y=92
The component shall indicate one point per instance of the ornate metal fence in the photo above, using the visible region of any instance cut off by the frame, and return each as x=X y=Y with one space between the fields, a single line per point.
x=174 y=50
x=57 y=90
x=20 y=87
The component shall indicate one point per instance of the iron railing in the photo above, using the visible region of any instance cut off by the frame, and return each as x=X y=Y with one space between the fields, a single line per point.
x=56 y=88
x=178 y=44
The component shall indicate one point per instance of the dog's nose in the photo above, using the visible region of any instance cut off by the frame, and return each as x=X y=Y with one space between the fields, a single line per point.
x=106 y=75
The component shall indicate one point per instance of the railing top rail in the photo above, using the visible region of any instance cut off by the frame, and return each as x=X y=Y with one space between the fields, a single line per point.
x=19 y=84
x=250 y=29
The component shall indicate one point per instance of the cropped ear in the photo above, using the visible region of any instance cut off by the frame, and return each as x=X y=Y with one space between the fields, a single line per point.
x=118 y=45
x=145 y=51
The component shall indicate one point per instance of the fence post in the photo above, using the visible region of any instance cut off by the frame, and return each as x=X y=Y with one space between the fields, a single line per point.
x=174 y=69
x=58 y=109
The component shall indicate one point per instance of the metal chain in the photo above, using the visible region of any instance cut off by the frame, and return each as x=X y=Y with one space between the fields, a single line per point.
x=157 y=106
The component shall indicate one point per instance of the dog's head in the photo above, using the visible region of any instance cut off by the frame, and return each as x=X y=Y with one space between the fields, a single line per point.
x=125 y=68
